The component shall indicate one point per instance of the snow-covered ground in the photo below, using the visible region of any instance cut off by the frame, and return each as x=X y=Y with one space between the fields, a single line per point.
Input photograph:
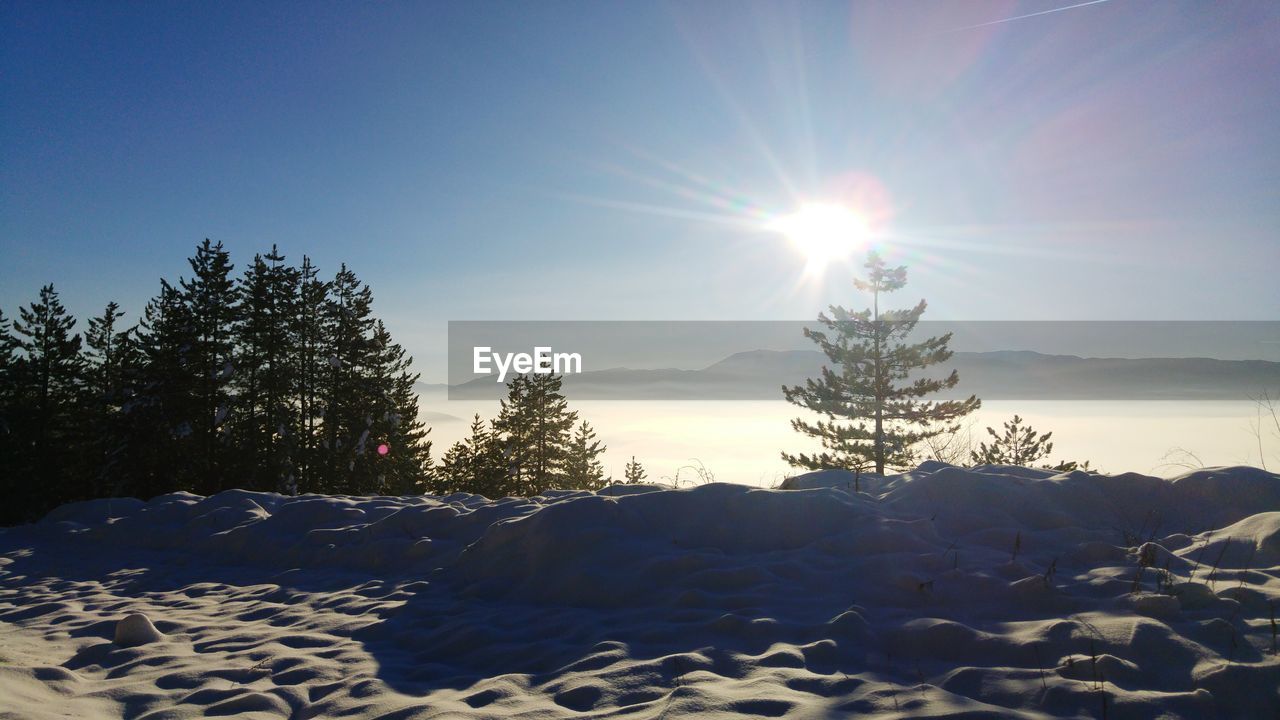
x=996 y=592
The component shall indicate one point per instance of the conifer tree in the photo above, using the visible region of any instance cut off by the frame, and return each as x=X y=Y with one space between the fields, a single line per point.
x=307 y=330
x=634 y=472
x=872 y=411
x=160 y=410
x=281 y=375
x=397 y=437
x=582 y=467
x=104 y=348
x=1019 y=445
x=45 y=424
x=8 y=388
x=211 y=308
x=474 y=465
x=267 y=423
x=14 y=486
x=110 y=356
x=535 y=423
x=513 y=435
x=348 y=327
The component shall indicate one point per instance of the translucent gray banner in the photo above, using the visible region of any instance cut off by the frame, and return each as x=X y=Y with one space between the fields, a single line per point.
x=752 y=360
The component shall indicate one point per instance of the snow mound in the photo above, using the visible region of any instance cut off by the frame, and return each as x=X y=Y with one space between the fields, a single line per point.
x=943 y=591
x=136 y=629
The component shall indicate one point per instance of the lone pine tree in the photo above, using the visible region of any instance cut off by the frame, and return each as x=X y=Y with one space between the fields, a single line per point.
x=634 y=472
x=870 y=397
x=1019 y=445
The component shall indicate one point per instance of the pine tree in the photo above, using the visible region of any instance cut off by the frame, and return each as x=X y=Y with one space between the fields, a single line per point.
x=347 y=392
x=398 y=438
x=160 y=410
x=1019 y=445
x=14 y=481
x=279 y=373
x=634 y=472
x=103 y=344
x=513 y=435
x=582 y=467
x=534 y=424
x=307 y=330
x=474 y=465
x=873 y=412
x=267 y=423
x=211 y=308
x=110 y=355
x=8 y=392
x=46 y=421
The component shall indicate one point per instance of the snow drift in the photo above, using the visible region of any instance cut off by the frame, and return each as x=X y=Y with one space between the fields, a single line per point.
x=940 y=592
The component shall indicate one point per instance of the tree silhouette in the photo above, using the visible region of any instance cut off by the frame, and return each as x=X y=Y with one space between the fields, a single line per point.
x=210 y=306
x=266 y=423
x=279 y=381
x=110 y=356
x=45 y=417
x=634 y=472
x=582 y=467
x=872 y=408
x=534 y=424
x=475 y=465
x=1019 y=445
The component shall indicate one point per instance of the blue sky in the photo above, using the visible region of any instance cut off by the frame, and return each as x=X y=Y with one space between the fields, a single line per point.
x=583 y=160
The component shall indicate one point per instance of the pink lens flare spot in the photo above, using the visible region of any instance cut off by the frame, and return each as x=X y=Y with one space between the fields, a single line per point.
x=383 y=449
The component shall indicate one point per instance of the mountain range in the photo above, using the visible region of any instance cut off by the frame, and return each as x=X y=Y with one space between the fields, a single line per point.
x=1005 y=374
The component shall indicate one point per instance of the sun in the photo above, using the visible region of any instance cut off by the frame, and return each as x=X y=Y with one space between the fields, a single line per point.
x=823 y=233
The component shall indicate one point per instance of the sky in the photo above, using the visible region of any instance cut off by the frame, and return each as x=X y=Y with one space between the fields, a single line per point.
x=624 y=160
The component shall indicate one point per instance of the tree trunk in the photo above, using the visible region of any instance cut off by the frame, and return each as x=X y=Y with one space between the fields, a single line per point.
x=879 y=439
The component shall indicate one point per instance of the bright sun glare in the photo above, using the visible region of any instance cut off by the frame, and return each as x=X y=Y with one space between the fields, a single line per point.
x=823 y=233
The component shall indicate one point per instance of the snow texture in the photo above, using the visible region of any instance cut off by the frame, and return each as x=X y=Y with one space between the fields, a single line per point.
x=943 y=592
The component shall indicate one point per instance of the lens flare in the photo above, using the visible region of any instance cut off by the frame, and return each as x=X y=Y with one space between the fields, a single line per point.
x=823 y=233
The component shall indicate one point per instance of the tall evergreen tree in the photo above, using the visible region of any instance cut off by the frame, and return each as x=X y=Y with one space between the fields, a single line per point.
x=110 y=354
x=45 y=423
x=14 y=482
x=873 y=412
x=582 y=467
x=535 y=423
x=398 y=438
x=348 y=395
x=8 y=390
x=267 y=422
x=307 y=330
x=160 y=410
x=211 y=308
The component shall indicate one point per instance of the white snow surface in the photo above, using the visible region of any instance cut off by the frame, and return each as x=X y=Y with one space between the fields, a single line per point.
x=905 y=599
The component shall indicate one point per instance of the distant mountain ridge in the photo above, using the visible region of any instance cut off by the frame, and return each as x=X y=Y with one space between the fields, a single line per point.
x=999 y=375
